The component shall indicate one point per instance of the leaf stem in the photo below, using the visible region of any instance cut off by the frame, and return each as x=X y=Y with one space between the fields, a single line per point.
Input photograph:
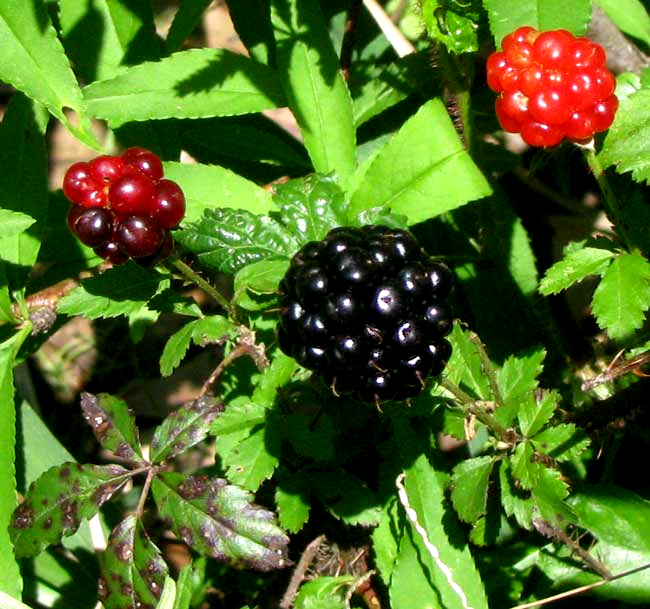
x=189 y=273
x=151 y=472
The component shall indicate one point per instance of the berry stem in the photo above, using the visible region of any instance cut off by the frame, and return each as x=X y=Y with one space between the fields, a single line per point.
x=195 y=278
x=610 y=202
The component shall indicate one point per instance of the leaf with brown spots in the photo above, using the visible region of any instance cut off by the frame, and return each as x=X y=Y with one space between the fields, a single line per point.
x=113 y=424
x=219 y=520
x=184 y=428
x=132 y=569
x=57 y=502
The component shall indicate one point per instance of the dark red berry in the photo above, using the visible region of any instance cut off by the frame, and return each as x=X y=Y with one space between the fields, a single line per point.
x=94 y=226
x=131 y=193
x=106 y=168
x=110 y=252
x=139 y=236
x=145 y=160
x=78 y=184
x=168 y=204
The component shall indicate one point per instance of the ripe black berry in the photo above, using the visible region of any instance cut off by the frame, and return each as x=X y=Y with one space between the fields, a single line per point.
x=365 y=308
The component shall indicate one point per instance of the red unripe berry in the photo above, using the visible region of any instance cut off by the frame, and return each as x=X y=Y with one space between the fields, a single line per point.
x=579 y=127
x=603 y=113
x=552 y=48
x=78 y=182
x=549 y=106
x=584 y=53
x=540 y=134
x=131 y=193
x=531 y=80
x=514 y=104
x=518 y=54
x=496 y=64
x=138 y=236
x=145 y=160
x=168 y=204
x=106 y=168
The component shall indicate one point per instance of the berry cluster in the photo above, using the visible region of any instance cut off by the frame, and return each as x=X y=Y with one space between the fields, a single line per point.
x=123 y=207
x=551 y=85
x=365 y=308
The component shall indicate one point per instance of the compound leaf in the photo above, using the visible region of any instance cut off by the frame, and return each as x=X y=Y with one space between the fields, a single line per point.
x=57 y=502
x=423 y=171
x=627 y=144
x=469 y=487
x=310 y=206
x=112 y=423
x=219 y=520
x=184 y=428
x=229 y=239
x=314 y=86
x=578 y=262
x=212 y=329
x=197 y=83
x=623 y=296
x=133 y=571
x=122 y=290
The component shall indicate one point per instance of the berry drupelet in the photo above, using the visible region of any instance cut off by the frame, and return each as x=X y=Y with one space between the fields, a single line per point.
x=123 y=207
x=366 y=309
x=551 y=85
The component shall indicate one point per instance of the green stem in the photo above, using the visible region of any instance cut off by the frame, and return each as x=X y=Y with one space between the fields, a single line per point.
x=610 y=202
x=195 y=278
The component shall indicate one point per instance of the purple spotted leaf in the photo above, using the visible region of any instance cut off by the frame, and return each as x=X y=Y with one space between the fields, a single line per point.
x=57 y=502
x=132 y=569
x=184 y=428
x=219 y=520
x=113 y=424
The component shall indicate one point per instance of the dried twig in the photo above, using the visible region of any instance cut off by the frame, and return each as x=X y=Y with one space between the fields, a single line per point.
x=299 y=572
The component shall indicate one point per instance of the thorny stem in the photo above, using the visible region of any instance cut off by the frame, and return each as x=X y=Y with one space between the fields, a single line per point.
x=151 y=473
x=195 y=278
x=299 y=572
x=610 y=202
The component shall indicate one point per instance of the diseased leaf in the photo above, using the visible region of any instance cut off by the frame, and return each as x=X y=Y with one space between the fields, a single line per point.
x=229 y=239
x=623 y=296
x=578 y=263
x=507 y=15
x=212 y=329
x=316 y=92
x=184 y=428
x=219 y=520
x=423 y=171
x=561 y=442
x=211 y=186
x=626 y=144
x=324 y=593
x=235 y=423
x=133 y=571
x=57 y=502
x=196 y=83
x=469 y=487
x=310 y=206
x=536 y=411
x=112 y=423
x=121 y=290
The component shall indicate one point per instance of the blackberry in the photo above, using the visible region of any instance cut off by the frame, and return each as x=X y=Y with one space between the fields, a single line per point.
x=365 y=308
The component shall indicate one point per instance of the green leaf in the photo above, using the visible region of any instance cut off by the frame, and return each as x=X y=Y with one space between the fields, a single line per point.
x=229 y=239
x=184 y=428
x=465 y=367
x=518 y=375
x=12 y=223
x=312 y=435
x=616 y=517
x=209 y=186
x=536 y=411
x=10 y=578
x=417 y=580
x=197 y=83
x=386 y=538
x=324 y=593
x=252 y=20
x=469 y=481
x=626 y=145
x=23 y=182
x=524 y=468
x=578 y=262
x=507 y=15
x=311 y=206
x=113 y=424
x=260 y=277
x=515 y=501
x=9 y=602
x=127 y=36
x=293 y=505
x=423 y=171
x=454 y=25
x=561 y=442
x=187 y=17
x=630 y=16
x=317 y=94
x=219 y=520
x=121 y=290
x=133 y=570
x=212 y=329
x=34 y=62
x=623 y=296
x=59 y=500
x=279 y=373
